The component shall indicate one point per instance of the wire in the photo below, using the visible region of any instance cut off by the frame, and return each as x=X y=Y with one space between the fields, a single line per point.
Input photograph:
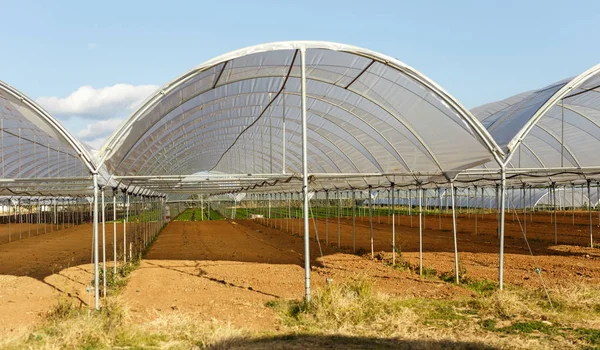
x=538 y=270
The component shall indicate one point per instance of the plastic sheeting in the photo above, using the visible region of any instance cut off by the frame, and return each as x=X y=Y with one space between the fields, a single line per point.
x=240 y=113
x=34 y=146
x=556 y=127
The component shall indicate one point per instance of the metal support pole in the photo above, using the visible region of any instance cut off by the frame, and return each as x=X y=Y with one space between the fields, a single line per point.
x=420 y=232
x=339 y=212
x=353 y=221
x=475 y=208
x=590 y=214
x=410 y=207
x=482 y=204
x=393 y=227
x=95 y=238
x=524 y=211
x=573 y=203
x=125 y=217
x=501 y=233
x=554 y=207
x=103 y=246
x=115 y=232
x=440 y=208
x=305 y=176
x=371 y=221
x=454 y=231
x=326 y=217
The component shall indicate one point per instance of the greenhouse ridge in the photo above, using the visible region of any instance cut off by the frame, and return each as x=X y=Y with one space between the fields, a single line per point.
x=289 y=118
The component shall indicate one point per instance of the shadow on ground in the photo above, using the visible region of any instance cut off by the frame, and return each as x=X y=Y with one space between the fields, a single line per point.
x=341 y=342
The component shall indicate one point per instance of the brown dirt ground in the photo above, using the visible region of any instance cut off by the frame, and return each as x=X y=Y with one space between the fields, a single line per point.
x=35 y=270
x=227 y=270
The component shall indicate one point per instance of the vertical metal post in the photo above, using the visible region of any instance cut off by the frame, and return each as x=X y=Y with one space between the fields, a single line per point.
x=501 y=233
x=371 y=221
x=482 y=204
x=283 y=134
x=103 y=246
x=420 y=232
x=115 y=232
x=475 y=208
x=353 y=221
x=573 y=203
x=410 y=207
x=524 y=211
x=95 y=234
x=305 y=176
x=393 y=227
x=590 y=214
x=439 y=208
x=454 y=231
x=598 y=201
x=468 y=202
x=327 y=217
x=9 y=206
x=339 y=212
x=554 y=207
x=125 y=219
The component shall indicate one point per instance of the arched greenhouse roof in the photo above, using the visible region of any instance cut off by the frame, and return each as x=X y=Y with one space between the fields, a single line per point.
x=552 y=133
x=240 y=113
x=39 y=156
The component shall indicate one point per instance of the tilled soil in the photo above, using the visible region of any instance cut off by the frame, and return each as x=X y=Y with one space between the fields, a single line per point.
x=569 y=261
x=35 y=271
x=228 y=270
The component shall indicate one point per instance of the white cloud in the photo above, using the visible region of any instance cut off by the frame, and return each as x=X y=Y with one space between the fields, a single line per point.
x=96 y=133
x=96 y=143
x=88 y=102
x=102 y=128
x=91 y=46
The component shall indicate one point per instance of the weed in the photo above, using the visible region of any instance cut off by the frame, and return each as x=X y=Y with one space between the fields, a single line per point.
x=529 y=327
x=360 y=251
x=402 y=265
x=589 y=335
x=429 y=272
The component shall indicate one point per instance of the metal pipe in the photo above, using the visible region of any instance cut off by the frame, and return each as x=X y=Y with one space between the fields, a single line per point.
x=454 y=231
x=393 y=228
x=420 y=232
x=305 y=176
x=114 y=232
x=353 y=221
x=103 y=246
x=95 y=242
x=371 y=222
x=327 y=217
x=590 y=214
x=501 y=233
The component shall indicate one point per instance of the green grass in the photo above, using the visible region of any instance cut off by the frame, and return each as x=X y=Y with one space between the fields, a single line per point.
x=185 y=215
x=146 y=215
x=195 y=214
x=321 y=212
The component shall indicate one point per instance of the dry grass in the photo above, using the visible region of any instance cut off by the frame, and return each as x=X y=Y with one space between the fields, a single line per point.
x=513 y=318
x=348 y=315
x=68 y=326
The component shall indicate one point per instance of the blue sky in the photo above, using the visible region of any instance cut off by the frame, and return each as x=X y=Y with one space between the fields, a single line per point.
x=480 y=51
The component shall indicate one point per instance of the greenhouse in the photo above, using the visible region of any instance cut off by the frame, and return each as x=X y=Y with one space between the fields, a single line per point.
x=298 y=135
